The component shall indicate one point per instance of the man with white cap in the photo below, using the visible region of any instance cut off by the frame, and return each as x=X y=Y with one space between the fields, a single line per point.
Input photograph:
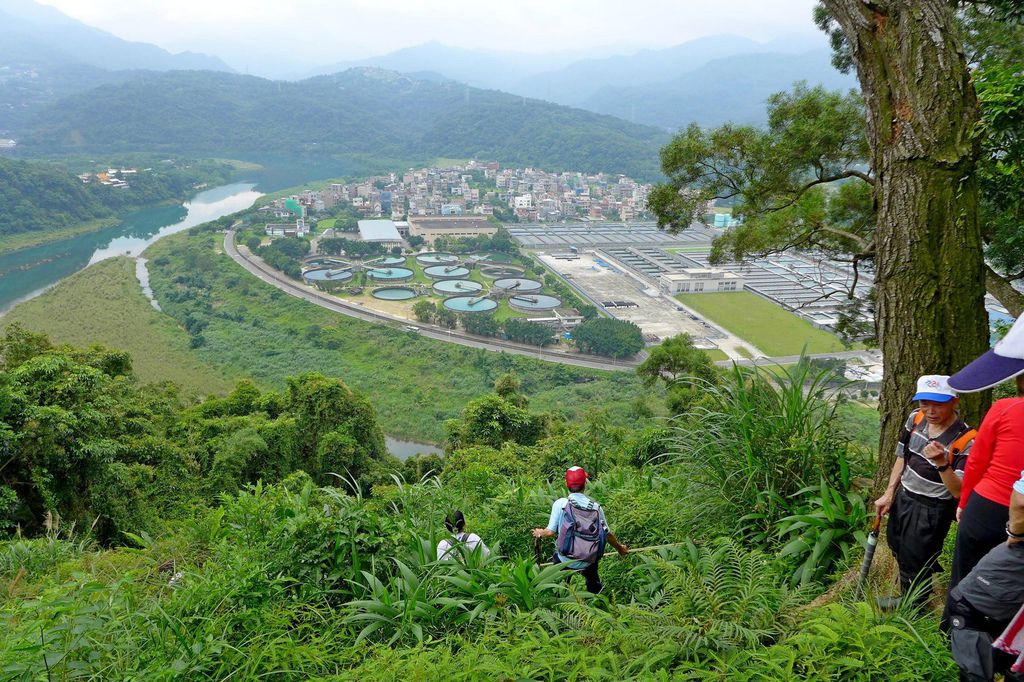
x=924 y=484
x=997 y=456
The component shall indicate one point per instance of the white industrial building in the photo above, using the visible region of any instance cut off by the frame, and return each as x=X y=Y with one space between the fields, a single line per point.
x=699 y=281
x=380 y=232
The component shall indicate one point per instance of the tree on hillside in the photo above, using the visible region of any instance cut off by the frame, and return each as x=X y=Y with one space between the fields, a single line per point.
x=912 y=209
x=610 y=337
x=674 y=361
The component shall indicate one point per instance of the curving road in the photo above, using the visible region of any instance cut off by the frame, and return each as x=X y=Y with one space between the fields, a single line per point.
x=257 y=267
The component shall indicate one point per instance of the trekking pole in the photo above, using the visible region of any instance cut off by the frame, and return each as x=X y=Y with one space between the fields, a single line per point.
x=869 y=555
x=536 y=551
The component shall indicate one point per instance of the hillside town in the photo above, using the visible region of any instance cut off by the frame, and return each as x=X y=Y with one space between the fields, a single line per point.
x=485 y=189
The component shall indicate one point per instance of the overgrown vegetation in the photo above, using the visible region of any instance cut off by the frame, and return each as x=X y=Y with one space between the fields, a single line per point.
x=300 y=574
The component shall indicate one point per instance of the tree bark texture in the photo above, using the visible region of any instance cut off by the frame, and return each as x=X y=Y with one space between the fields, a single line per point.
x=930 y=272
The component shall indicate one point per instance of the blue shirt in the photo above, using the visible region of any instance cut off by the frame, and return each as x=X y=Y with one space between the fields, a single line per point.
x=555 y=521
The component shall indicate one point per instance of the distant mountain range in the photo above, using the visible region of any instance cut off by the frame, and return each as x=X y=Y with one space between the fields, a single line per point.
x=729 y=89
x=45 y=55
x=359 y=111
x=709 y=80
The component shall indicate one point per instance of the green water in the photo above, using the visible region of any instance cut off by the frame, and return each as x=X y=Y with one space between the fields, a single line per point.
x=26 y=273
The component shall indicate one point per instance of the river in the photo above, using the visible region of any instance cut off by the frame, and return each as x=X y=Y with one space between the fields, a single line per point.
x=26 y=273
x=29 y=272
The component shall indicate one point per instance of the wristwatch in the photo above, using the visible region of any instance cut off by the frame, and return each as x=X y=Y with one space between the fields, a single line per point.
x=942 y=468
x=1011 y=534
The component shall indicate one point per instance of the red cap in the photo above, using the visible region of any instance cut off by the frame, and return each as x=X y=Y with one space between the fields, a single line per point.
x=575 y=476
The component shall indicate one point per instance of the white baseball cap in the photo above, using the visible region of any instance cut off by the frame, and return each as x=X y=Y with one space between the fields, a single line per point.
x=934 y=387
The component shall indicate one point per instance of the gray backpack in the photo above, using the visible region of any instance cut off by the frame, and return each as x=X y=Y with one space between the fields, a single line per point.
x=581 y=535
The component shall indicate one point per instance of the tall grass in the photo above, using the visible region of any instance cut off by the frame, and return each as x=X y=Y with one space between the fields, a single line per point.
x=757 y=439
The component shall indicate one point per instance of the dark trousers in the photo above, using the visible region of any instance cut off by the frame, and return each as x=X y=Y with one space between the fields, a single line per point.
x=589 y=574
x=916 y=532
x=982 y=527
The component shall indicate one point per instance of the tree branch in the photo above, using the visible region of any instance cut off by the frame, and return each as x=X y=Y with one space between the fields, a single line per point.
x=1004 y=291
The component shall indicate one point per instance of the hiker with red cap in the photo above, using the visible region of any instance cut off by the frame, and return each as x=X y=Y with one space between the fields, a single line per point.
x=578 y=523
x=924 y=485
x=997 y=457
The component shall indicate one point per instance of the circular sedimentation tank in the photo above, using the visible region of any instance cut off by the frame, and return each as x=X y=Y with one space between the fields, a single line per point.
x=329 y=275
x=394 y=293
x=534 y=302
x=446 y=272
x=389 y=274
x=389 y=262
x=517 y=285
x=436 y=258
x=457 y=286
x=470 y=304
x=501 y=271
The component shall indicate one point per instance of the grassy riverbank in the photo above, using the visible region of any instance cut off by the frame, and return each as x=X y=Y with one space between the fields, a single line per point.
x=247 y=327
x=25 y=240
x=104 y=304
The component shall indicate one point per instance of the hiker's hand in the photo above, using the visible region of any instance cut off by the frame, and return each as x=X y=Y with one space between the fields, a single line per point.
x=623 y=550
x=540 y=532
x=883 y=503
x=935 y=454
x=959 y=513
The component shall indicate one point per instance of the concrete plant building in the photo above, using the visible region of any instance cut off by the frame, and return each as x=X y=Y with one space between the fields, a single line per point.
x=430 y=228
x=699 y=281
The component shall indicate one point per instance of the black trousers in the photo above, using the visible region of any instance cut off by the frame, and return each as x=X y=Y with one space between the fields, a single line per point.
x=982 y=527
x=589 y=574
x=917 y=530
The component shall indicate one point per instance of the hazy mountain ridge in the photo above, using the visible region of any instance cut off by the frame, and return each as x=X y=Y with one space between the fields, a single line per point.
x=729 y=89
x=360 y=111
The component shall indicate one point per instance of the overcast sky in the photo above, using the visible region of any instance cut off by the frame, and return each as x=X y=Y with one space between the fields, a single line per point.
x=322 y=31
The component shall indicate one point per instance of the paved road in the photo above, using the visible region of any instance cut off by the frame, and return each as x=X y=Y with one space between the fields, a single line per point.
x=792 y=359
x=257 y=267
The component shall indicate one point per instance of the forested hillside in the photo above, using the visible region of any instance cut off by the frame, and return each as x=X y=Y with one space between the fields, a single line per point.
x=40 y=197
x=358 y=111
x=267 y=534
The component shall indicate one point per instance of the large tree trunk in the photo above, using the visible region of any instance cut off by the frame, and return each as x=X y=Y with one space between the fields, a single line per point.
x=930 y=276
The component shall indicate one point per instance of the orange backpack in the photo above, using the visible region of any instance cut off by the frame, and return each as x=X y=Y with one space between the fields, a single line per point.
x=958 y=445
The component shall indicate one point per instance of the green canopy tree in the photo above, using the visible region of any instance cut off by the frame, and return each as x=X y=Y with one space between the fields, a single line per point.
x=889 y=177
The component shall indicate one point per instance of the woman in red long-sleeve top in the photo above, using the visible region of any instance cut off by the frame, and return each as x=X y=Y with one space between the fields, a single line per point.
x=995 y=464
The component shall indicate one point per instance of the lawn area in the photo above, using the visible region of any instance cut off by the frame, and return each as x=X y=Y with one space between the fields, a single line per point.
x=250 y=328
x=104 y=305
x=764 y=324
x=715 y=354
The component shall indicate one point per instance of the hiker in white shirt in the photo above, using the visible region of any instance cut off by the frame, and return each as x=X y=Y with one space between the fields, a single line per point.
x=448 y=548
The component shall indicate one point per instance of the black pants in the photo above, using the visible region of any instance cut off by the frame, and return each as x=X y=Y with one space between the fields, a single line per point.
x=916 y=532
x=982 y=527
x=589 y=574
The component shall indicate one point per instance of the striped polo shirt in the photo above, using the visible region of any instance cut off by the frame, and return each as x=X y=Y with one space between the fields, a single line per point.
x=919 y=476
